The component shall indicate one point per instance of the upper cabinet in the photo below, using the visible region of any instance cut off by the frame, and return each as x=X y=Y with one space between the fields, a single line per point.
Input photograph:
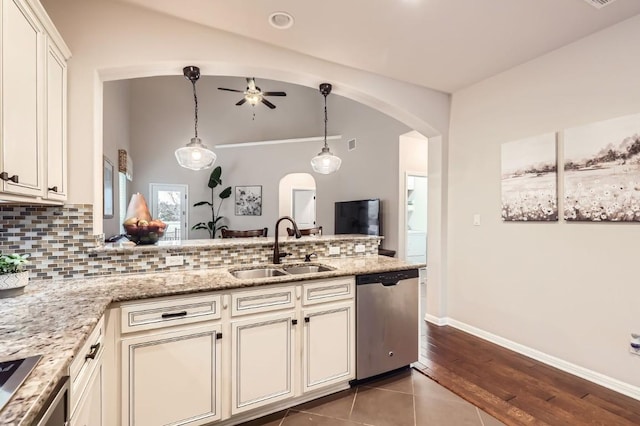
x=33 y=158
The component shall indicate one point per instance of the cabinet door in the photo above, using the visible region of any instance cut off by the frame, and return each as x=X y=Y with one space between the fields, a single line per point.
x=22 y=92
x=172 y=378
x=329 y=345
x=262 y=353
x=90 y=409
x=56 y=134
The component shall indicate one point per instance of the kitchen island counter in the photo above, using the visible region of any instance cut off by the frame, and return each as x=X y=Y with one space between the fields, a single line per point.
x=54 y=318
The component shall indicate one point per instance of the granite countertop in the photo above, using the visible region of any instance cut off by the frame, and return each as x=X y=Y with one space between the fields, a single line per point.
x=54 y=318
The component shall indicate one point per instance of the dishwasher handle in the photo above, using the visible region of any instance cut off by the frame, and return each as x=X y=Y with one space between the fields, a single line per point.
x=387 y=278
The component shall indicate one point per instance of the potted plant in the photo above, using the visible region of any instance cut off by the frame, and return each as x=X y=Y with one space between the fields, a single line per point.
x=12 y=273
x=214 y=225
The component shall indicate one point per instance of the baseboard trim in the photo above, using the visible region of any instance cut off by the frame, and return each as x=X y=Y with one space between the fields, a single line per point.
x=436 y=320
x=593 y=376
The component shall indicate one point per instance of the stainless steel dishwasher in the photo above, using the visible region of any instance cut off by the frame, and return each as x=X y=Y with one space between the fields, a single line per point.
x=386 y=322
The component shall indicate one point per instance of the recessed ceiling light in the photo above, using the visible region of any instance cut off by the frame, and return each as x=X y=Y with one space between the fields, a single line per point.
x=281 y=20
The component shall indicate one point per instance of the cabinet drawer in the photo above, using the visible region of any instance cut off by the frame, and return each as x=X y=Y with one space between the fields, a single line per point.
x=84 y=363
x=167 y=313
x=256 y=301
x=328 y=291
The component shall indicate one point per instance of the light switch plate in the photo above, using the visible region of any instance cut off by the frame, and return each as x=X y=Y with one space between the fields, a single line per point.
x=334 y=250
x=476 y=220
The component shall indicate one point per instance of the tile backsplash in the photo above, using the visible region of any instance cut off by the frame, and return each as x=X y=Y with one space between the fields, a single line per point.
x=61 y=244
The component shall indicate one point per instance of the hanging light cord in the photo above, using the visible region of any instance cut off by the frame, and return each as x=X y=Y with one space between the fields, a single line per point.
x=325 y=120
x=195 y=99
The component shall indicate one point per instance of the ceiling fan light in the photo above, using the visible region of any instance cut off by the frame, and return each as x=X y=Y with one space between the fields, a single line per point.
x=325 y=162
x=253 y=98
x=195 y=156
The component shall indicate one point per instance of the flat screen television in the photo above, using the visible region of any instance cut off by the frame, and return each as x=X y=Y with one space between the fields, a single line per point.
x=358 y=217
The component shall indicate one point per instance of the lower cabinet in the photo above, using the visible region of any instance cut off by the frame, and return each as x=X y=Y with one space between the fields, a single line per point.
x=262 y=361
x=90 y=408
x=231 y=356
x=172 y=377
x=328 y=349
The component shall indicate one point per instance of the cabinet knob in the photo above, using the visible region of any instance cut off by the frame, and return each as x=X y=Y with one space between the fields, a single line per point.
x=294 y=322
x=5 y=177
x=53 y=189
x=307 y=319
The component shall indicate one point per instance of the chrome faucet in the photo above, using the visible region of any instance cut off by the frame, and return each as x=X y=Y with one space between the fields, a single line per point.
x=276 y=250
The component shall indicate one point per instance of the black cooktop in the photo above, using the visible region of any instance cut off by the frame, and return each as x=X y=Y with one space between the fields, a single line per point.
x=12 y=374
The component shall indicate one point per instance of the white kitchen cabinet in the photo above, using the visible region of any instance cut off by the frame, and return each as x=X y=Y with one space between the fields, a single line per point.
x=172 y=377
x=90 y=411
x=22 y=90
x=262 y=360
x=328 y=351
x=56 y=128
x=29 y=40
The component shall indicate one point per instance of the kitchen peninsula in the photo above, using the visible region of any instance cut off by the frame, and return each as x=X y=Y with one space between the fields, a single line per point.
x=56 y=318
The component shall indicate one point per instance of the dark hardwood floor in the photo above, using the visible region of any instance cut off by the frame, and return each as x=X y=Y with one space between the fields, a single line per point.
x=519 y=390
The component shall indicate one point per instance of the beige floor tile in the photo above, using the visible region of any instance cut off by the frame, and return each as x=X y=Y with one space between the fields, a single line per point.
x=489 y=420
x=337 y=405
x=297 y=418
x=424 y=386
x=434 y=411
x=399 y=382
x=383 y=407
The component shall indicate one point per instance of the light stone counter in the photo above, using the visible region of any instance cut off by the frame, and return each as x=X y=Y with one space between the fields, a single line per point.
x=54 y=318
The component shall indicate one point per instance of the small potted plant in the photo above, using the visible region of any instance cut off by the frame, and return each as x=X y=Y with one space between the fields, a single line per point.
x=12 y=273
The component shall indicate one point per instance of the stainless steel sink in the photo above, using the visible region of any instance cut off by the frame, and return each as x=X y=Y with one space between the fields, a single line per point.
x=257 y=273
x=306 y=269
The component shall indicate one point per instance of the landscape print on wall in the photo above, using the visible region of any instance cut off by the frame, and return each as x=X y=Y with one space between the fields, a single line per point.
x=602 y=171
x=529 y=179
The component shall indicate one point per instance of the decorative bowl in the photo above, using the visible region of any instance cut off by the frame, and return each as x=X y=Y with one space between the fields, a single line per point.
x=144 y=234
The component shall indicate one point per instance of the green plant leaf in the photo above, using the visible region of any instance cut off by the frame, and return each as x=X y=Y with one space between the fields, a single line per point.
x=210 y=224
x=217 y=219
x=202 y=203
x=226 y=193
x=214 y=178
x=200 y=225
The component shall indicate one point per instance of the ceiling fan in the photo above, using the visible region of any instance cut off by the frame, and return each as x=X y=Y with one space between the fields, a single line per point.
x=253 y=94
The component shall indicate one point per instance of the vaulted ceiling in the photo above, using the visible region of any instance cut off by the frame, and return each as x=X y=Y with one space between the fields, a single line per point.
x=441 y=44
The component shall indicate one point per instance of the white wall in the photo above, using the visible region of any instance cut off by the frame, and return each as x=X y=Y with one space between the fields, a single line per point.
x=569 y=290
x=115 y=136
x=110 y=40
x=162 y=120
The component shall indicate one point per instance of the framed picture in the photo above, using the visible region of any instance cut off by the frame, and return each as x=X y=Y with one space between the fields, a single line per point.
x=249 y=200
x=107 y=189
x=530 y=180
x=602 y=171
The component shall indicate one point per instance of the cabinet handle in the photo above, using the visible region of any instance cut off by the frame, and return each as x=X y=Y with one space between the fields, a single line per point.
x=307 y=319
x=93 y=352
x=294 y=322
x=218 y=336
x=5 y=177
x=53 y=189
x=174 y=315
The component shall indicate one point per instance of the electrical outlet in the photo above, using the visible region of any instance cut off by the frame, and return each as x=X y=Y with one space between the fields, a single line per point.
x=334 y=251
x=174 y=261
x=359 y=248
x=476 y=220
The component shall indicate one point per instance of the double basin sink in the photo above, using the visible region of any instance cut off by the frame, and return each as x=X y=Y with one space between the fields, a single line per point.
x=274 y=271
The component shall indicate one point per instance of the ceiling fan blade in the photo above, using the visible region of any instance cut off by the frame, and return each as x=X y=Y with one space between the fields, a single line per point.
x=274 y=94
x=251 y=83
x=230 y=90
x=267 y=103
x=241 y=101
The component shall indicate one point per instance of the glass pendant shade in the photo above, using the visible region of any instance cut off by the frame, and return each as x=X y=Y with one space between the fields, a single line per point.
x=325 y=162
x=195 y=156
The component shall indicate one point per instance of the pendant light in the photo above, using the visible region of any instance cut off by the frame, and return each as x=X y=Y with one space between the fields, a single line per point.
x=325 y=162
x=196 y=155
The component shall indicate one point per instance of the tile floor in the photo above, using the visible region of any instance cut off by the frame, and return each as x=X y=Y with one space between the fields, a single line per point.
x=408 y=398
